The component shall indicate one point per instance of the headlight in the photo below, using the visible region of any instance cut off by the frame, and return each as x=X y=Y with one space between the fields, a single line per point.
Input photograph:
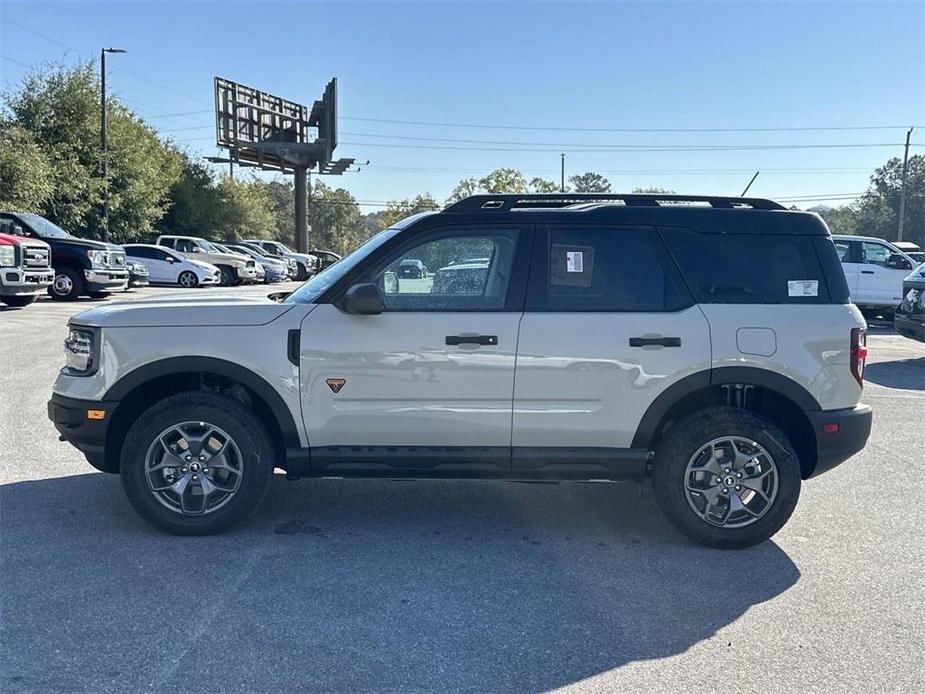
x=81 y=349
x=7 y=256
x=97 y=259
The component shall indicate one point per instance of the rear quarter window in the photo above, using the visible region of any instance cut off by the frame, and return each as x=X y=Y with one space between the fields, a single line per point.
x=729 y=268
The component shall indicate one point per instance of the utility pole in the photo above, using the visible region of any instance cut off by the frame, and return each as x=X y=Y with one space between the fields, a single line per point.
x=301 y=218
x=103 y=144
x=562 y=178
x=902 y=189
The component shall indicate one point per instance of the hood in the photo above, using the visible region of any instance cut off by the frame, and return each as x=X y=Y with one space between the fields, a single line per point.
x=88 y=244
x=223 y=257
x=183 y=312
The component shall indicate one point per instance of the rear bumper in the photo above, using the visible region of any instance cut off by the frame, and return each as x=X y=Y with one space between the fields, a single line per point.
x=911 y=327
x=839 y=435
x=69 y=415
x=15 y=281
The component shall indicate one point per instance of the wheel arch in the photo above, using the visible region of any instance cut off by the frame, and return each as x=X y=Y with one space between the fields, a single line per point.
x=141 y=388
x=779 y=398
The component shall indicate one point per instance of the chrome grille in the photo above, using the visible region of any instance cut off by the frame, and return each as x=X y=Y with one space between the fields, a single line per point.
x=36 y=256
x=116 y=260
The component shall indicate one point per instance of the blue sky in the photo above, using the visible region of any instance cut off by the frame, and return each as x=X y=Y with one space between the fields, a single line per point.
x=568 y=65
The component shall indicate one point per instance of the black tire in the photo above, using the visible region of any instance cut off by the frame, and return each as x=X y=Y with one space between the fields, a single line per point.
x=229 y=276
x=101 y=295
x=68 y=285
x=187 y=279
x=249 y=435
x=18 y=300
x=686 y=437
x=302 y=273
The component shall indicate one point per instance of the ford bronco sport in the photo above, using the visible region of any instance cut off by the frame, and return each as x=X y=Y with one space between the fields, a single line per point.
x=707 y=343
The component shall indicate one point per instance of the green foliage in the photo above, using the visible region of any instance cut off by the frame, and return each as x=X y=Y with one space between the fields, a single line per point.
x=543 y=185
x=590 y=182
x=397 y=210
x=25 y=172
x=281 y=194
x=337 y=224
x=59 y=108
x=246 y=210
x=652 y=190
x=195 y=202
x=500 y=181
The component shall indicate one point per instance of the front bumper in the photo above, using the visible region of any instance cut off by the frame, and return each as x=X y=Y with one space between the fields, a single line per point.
x=15 y=281
x=247 y=273
x=101 y=280
x=69 y=415
x=839 y=435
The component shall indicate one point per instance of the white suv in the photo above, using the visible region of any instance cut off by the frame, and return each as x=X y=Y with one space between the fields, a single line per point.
x=875 y=270
x=591 y=337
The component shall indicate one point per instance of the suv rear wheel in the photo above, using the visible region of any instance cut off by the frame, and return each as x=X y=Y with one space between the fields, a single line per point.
x=229 y=276
x=196 y=463
x=726 y=477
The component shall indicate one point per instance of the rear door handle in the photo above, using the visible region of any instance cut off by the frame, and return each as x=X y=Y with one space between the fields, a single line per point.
x=472 y=339
x=655 y=341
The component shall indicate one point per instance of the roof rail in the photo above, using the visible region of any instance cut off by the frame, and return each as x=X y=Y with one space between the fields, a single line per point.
x=507 y=202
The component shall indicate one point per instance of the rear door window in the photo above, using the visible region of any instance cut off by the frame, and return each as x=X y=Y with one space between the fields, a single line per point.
x=606 y=268
x=729 y=268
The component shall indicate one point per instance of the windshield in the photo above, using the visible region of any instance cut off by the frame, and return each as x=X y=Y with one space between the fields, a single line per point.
x=43 y=227
x=210 y=247
x=318 y=284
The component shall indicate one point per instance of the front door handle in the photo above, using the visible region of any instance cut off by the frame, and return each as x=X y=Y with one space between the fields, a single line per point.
x=472 y=339
x=867 y=272
x=655 y=341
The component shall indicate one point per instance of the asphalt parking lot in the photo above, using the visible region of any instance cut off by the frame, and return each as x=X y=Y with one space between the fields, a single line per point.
x=433 y=586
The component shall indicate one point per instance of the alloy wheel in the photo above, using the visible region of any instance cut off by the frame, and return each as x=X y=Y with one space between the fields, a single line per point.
x=731 y=482
x=193 y=468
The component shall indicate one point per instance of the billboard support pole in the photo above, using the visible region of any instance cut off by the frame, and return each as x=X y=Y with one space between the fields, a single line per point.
x=301 y=217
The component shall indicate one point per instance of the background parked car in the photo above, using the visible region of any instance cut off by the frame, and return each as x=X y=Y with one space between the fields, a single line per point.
x=275 y=270
x=25 y=269
x=234 y=268
x=875 y=270
x=166 y=266
x=910 y=315
x=292 y=264
x=411 y=268
x=137 y=275
x=912 y=250
x=259 y=272
x=307 y=263
x=81 y=266
x=325 y=258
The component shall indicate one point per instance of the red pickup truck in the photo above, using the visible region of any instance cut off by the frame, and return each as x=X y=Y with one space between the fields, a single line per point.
x=25 y=269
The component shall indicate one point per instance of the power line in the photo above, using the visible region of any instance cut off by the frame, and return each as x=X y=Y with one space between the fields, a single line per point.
x=553 y=147
x=13 y=60
x=622 y=130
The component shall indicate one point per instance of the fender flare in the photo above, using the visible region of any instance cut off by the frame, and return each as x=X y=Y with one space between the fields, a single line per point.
x=783 y=385
x=220 y=367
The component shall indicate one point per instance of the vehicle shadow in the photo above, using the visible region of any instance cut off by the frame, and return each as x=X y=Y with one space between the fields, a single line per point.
x=360 y=586
x=905 y=374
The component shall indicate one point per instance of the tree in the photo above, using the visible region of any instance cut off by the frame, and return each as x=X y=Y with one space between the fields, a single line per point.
x=590 y=182
x=503 y=181
x=337 y=223
x=60 y=109
x=396 y=210
x=281 y=194
x=463 y=189
x=652 y=190
x=840 y=220
x=246 y=210
x=195 y=202
x=543 y=185
x=25 y=172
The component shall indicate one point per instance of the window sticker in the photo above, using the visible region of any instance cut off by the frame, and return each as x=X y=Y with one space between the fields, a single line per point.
x=803 y=288
x=571 y=265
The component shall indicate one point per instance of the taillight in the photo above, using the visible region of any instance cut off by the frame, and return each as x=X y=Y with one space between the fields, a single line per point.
x=858 y=353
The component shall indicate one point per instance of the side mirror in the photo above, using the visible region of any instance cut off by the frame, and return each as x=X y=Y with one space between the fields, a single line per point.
x=362 y=299
x=898 y=262
x=171 y=259
x=278 y=296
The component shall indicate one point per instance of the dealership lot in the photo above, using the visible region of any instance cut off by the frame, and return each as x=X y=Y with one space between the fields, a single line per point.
x=363 y=585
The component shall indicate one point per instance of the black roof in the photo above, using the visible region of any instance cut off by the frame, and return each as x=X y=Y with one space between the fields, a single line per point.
x=701 y=212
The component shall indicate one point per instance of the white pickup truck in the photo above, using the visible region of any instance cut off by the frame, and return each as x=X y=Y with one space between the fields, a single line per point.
x=875 y=270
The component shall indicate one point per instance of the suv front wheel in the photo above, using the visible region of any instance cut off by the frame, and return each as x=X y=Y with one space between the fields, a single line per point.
x=726 y=477
x=196 y=463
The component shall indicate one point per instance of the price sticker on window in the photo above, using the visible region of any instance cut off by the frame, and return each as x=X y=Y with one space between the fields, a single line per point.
x=574 y=261
x=803 y=288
